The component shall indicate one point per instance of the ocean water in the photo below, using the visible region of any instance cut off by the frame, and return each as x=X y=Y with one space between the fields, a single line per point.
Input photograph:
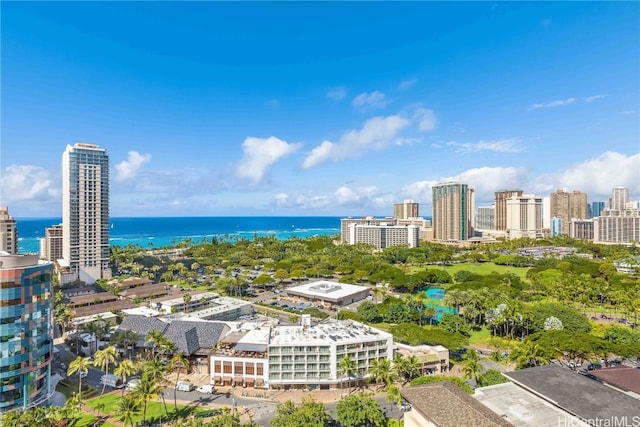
x=158 y=232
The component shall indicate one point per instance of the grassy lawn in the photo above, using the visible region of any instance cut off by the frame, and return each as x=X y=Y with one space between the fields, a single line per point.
x=106 y=404
x=480 y=337
x=87 y=420
x=476 y=268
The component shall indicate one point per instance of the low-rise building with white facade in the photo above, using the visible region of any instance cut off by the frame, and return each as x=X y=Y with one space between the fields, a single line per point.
x=302 y=357
x=384 y=235
x=195 y=302
x=329 y=292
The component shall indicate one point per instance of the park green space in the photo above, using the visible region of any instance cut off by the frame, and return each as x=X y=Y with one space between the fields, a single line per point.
x=476 y=268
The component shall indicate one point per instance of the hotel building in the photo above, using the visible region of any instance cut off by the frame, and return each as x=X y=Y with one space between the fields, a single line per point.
x=524 y=217
x=85 y=211
x=620 y=222
x=581 y=229
x=26 y=333
x=384 y=235
x=565 y=205
x=367 y=220
x=485 y=218
x=500 y=205
x=51 y=244
x=8 y=232
x=453 y=211
x=405 y=210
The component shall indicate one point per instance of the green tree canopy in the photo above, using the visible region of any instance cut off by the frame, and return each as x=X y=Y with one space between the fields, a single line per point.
x=309 y=413
x=360 y=410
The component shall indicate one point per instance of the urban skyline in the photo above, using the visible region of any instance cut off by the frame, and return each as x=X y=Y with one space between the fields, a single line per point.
x=217 y=118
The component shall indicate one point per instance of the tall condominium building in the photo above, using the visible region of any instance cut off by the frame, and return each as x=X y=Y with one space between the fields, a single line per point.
x=26 y=334
x=619 y=198
x=565 y=205
x=556 y=226
x=524 y=217
x=85 y=211
x=384 y=235
x=619 y=223
x=51 y=244
x=485 y=218
x=596 y=208
x=8 y=232
x=500 y=204
x=453 y=211
x=406 y=209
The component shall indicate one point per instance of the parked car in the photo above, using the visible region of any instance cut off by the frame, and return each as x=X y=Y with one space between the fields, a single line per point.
x=184 y=386
x=206 y=389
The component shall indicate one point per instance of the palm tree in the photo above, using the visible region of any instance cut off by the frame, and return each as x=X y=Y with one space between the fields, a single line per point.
x=187 y=299
x=156 y=371
x=103 y=358
x=471 y=366
x=124 y=370
x=177 y=362
x=147 y=389
x=381 y=371
x=81 y=366
x=346 y=367
x=155 y=338
x=411 y=368
x=393 y=395
x=527 y=354
x=127 y=408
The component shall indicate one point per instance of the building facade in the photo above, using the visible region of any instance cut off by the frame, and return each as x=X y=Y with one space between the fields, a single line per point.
x=524 y=217
x=8 y=232
x=485 y=218
x=367 y=220
x=51 y=244
x=384 y=235
x=500 y=205
x=620 y=222
x=581 y=229
x=26 y=332
x=85 y=211
x=405 y=210
x=619 y=198
x=453 y=211
x=565 y=205
x=596 y=208
x=556 y=226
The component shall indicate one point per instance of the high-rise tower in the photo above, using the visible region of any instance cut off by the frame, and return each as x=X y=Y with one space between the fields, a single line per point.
x=85 y=211
x=406 y=209
x=453 y=211
x=501 y=207
x=567 y=206
x=8 y=232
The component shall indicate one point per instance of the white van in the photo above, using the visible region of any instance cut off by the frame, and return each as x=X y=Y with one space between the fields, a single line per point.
x=206 y=389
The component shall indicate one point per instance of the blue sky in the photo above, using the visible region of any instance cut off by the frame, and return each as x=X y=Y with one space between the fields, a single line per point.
x=318 y=108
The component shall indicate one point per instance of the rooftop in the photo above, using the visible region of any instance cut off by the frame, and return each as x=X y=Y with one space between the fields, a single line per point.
x=575 y=393
x=325 y=288
x=622 y=377
x=522 y=408
x=324 y=333
x=445 y=405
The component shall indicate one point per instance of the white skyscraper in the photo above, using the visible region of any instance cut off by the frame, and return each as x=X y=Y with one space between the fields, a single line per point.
x=85 y=211
x=524 y=217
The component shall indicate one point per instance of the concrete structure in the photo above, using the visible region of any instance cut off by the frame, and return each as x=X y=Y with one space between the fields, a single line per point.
x=443 y=404
x=26 y=331
x=384 y=235
x=486 y=218
x=8 y=232
x=619 y=223
x=596 y=208
x=85 y=211
x=581 y=229
x=194 y=302
x=52 y=243
x=565 y=205
x=546 y=213
x=329 y=292
x=453 y=211
x=524 y=217
x=223 y=309
x=405 y=210
x=577 y=395
x=433 y=359
x=522 y=408
x=367 y=220
x=500 y=204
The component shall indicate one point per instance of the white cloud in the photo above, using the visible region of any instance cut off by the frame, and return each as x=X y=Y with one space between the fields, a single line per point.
x=376 y=133
x=593 y=98
x=128 y=169
x=360 y=198
x=596 y=177
x=426 y=119
x=337 y=94
x=556 y=103
x=260 y=154
x=506 y=145
x=407 y=84
x=375 y=99
x=27 y=183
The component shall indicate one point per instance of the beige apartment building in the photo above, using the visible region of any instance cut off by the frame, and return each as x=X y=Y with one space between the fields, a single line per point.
x=500 y=206
x=8 y=232
x=51 y=243
x=568 y=205
x=453 y=211
x=524 y=217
